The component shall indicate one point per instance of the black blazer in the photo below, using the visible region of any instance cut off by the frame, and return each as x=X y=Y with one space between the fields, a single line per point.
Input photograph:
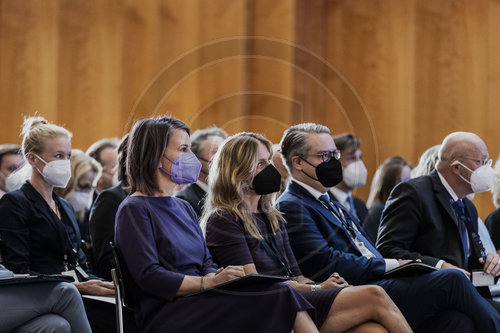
x=34 y=240
x=102 y=228
x=418 y=222
x=493 y=224
x=193 y=194
x=360 y=207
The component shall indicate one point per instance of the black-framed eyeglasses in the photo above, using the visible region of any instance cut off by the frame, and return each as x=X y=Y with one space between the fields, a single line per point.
x=327 y=155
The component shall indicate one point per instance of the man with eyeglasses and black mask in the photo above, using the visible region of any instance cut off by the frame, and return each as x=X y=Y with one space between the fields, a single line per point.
x=326 y=238
x=354 y=175
x=431 y=218
x=204 y=144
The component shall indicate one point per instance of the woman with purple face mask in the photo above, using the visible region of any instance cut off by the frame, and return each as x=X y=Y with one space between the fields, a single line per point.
x=164 y=250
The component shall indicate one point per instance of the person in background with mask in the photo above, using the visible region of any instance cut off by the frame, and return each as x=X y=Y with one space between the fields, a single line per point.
x=39 y=231
x=325 y=238
x=11 y=159
x=84 y=174
x=393 y=171
x=104 y=152
x=430 y=218
x=354 y=175
x=204 y=144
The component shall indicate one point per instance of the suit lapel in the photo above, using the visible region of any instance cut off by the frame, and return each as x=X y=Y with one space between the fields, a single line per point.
x=328 y=216
x=442 y=195
x=43 y=209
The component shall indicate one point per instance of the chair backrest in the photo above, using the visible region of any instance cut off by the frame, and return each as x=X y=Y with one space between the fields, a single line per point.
x=1 y=260
x=118 y=300
x=124 y=279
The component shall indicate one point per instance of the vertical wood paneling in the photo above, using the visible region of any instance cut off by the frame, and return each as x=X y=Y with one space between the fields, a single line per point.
x=401 y=74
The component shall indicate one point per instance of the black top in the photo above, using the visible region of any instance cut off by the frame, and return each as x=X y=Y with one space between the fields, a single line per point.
x=493 y=224
x=102 y=228
x=195 y=195
x=371 y=222
x=360 y=207
x=34 y=239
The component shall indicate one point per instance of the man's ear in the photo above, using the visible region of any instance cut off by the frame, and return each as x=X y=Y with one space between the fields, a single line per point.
x=296 y=163
x=455 y=168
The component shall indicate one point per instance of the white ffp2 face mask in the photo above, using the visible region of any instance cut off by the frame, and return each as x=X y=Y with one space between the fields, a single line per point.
x=57 y=173
x=481 y=179
x=354 y=175
x=80 y=200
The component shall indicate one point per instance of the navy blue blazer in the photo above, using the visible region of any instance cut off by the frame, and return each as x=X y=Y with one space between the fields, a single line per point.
x=418 y=222
x=34 y=240
x=321 y=244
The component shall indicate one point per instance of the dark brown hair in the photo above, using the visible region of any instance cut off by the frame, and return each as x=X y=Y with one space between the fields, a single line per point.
x=345 y=141
x=147 y=142
x=122 y=161
x=386 y=177
x=95 y=149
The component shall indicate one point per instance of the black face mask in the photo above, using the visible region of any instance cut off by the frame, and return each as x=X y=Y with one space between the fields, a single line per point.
x=267 y=181
x=329 y=173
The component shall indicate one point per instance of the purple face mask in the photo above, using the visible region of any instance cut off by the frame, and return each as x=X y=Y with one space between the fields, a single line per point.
x=185 y=169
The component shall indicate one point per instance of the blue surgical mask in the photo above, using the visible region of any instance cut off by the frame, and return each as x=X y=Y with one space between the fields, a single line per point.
x=185 y=169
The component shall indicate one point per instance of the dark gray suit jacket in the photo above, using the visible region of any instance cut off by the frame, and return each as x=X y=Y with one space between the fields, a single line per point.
x=193 y=194
x=418 y=222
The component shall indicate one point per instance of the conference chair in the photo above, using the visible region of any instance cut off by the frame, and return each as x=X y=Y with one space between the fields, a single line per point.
x=123 y=286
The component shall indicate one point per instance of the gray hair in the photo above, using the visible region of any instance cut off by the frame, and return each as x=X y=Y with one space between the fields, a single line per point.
x=202 y=134
x=295 y=141
x=427 y=162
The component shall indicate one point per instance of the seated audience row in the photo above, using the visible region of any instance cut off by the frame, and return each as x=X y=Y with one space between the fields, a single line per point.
x=312 y=235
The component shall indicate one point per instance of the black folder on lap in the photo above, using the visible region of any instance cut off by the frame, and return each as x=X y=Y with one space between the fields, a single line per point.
x=243 y=281
x=409 y=269
x=35 y=279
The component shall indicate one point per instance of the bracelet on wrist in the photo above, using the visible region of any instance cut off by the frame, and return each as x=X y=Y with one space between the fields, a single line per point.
x=202 y=283
x=315 y=287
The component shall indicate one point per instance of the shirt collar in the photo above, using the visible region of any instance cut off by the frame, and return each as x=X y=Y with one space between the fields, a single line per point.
x=340 y=195
x=315 y=193
x=202 y=185
x=448 y=188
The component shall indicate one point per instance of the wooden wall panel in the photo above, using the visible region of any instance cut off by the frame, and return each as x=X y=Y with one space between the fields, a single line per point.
x=401 y=74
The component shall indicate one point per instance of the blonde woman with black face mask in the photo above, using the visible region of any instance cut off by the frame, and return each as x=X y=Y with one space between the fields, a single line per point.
x=243 y=228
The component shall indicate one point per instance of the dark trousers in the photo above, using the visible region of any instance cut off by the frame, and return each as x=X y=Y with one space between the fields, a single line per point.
x=102 y=317
x=445 y=298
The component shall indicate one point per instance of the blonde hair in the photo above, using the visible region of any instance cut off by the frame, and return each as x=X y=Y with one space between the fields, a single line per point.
x=496 y=185
x=36 y=130
x=233 y=167
x=81 y=163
